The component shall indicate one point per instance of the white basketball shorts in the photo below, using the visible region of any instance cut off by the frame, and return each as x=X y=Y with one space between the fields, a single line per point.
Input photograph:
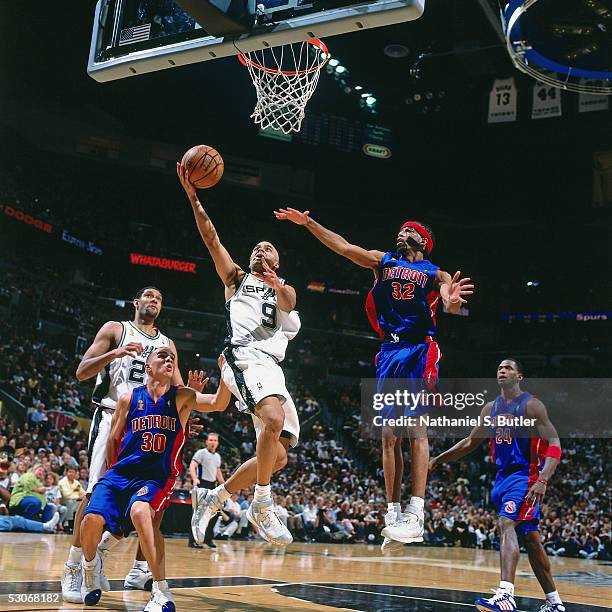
x=98 y=437
x=251 y=375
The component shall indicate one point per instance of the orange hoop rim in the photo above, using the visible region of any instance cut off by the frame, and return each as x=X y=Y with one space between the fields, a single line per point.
x=315 y=42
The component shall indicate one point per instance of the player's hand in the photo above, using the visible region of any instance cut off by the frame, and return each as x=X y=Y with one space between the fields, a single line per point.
x=183 y=175
x=221 y=361
x=197 y=380
x=269 y=275
x=196 y=483
x=133 y=349
x=291 y=214
x=536 y=493
x=433 y=464
x=194 y=427
x=459 y=288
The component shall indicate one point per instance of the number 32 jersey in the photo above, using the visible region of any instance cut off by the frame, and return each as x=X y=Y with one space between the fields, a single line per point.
x=253 y=319
x=402 y=304
x=124 y=375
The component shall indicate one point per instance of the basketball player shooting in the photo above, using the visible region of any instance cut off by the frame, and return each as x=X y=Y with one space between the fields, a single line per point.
x=148 y=431
x=260 y=323
x=520 y=484
x=401 y=307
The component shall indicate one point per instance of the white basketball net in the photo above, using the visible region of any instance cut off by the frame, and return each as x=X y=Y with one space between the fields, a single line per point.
x=285 y=78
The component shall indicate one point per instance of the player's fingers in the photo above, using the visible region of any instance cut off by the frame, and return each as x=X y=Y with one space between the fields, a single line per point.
x=456 y=276
x=466 y=292
x=465 y=280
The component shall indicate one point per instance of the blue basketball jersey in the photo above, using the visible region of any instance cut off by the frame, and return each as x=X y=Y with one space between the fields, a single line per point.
x=512 y=448
x=153 y=437
x=402 y=303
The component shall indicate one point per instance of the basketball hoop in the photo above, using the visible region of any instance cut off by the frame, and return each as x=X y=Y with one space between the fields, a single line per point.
x=285 y=78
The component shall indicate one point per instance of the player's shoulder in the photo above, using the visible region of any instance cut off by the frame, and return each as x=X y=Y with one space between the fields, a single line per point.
x=534 y=405
x=114 y=328
x=488 y=407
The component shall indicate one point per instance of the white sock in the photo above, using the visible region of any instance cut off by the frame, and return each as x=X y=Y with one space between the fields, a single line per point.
x=222 y=493
x=553 y=597
x=91 y=563
x=142 y=565
x=263 y=492
x=416 y=505
x=108 y=541
x=397 y=508
x=75 y=554
x=507 y=587
x=161 y=585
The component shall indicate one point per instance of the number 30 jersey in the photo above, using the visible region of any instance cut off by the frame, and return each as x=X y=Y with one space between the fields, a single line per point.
x=253 y=319
x=123 y=375
x=150 y=448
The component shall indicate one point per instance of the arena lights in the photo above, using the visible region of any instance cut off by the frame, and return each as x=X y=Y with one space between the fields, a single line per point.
x=341 y=74
x=565 y=45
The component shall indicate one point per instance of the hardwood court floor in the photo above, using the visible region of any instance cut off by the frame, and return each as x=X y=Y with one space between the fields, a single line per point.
x=254 y=577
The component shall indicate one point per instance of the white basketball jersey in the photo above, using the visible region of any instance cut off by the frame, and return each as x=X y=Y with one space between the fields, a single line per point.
x=253 y=319
x=122 y=375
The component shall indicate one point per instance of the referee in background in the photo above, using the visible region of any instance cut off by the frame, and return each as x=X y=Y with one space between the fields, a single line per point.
x=205 y=471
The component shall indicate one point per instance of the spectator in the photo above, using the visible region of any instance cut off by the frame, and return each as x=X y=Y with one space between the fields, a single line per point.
x=72 y=492
x=28 y=495
x=53 y=496
x=18 y=523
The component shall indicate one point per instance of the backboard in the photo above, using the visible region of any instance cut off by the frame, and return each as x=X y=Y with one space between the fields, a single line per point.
x=132 y=37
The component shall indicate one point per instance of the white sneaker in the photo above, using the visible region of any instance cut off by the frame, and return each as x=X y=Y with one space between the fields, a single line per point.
x=408 y=528
x=205 y=505
x=138 y=580
x=51 y=524
x=104 y=583
x=91 y=591
x=161 y=601
x=264 y=519
x=71 y=583
x=502 y=601
x=389 y=545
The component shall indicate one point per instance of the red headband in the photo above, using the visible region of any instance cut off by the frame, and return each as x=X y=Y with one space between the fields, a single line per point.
x=429 y=243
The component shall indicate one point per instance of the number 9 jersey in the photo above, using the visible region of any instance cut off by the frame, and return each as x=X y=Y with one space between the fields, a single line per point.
x=123 y=375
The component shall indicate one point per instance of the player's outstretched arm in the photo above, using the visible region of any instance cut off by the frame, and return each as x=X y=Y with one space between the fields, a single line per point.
x=229 y=272
x=100 y=354
x=453 y=290
x=117 y=428
x=203 y=402
x=467 y=445
x=535 y=409
x=358 y=255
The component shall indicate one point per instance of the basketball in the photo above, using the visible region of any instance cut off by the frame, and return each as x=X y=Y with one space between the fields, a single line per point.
x=205 y=166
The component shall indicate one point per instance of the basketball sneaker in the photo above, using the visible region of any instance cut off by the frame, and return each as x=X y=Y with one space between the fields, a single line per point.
x=408 y=528
x=205 y=504
x=262 y=516
x=104 y=583
x=388 y=544
x=161 y=598
x=138 y=579
x=91 y=590
x=71 y=583
x=502 y=601
x=552 y=607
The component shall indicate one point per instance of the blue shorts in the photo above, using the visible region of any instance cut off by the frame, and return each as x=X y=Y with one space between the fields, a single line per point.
x=413 y=367
x=114 y=494
x=509 y=498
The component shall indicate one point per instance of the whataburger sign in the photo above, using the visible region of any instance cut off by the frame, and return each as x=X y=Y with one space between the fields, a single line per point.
x=176 y=265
